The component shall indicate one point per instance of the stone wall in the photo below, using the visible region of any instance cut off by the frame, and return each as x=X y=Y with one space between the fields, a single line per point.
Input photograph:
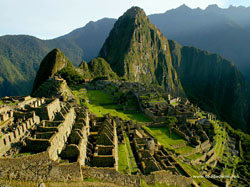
x=52 y=108
x=26 y=102
x=38 y=167
x=6 y=109
x=180 y=133
x=166 y=177
x=111 y=175
x=151 y=115
x=12 y=137
x=58 y=140
x=48 y=112
x=205 y=145
x=65 y=172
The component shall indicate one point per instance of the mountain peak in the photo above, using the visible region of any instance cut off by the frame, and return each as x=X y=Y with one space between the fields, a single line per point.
x=137 y=51
x=134 y=12
x=213 y=7
x=52 y=63
x=184 y=7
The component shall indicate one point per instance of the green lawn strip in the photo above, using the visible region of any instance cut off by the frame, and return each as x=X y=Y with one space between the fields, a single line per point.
x=99 y=97
x=174 y=103
x=90 y=180
x=137 y=116
x=132 y=161
x=23 y=154
x=192 y=172
x=184 y=150
x=220 y=139
x=156 y=101
x=123 y=159
x=101 y=103
x=162 y=134
x=195 y=156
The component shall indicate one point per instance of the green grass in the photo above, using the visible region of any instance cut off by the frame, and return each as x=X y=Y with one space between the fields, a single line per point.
x=174 y=103
x=90 y=180
x=185 y=149
x=203 y=182
x=99 y=97
x=23 y=154
x=219 y=138
x=195 y=156
x=132 y=162
x=201 y=115
x=122 y=161
x=157 y=101
x=101 y=103
x=163 y=136
x=191 y=121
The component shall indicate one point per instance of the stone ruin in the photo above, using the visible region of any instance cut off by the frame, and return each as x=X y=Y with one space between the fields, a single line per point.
x=63 y=141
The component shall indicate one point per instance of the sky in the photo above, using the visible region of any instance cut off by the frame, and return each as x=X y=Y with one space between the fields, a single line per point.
x=47 y=19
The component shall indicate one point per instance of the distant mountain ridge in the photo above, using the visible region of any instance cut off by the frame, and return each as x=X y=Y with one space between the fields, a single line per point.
x=20 y=55
x=222 y=31
x=218 y=30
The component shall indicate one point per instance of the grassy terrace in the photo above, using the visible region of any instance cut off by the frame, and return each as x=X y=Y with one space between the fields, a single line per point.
x=195 y=156
x=220 y=139
x=101 y=103
x=123 y=159
x=131 y=158
x=163 y=136
x=126 y=162
x=203 y=182
x=174 y=103
x=157 y=101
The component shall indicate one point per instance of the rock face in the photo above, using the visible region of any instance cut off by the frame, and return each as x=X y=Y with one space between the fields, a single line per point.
x=137 y=51
x=213 y=83
x=50 y=65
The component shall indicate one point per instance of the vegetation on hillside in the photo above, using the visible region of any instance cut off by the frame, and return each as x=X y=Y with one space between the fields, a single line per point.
x=213 y=83
x=137 y=51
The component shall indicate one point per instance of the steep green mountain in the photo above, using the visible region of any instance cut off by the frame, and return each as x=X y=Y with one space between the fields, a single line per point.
x=25 y=53
x=137 y=51
x=99 y=67
x=11 y=80
x=55 y=63
x=213 y=83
